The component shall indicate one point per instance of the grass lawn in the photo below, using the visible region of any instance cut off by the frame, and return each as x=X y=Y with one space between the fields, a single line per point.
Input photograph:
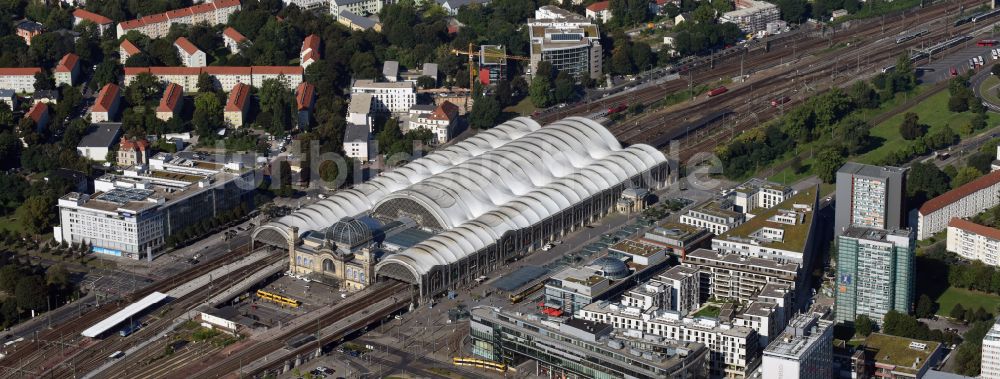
x=708 y=311
x=524 y=108
x=10 y=223
x=933 y=111
x=968 y=299
x=987 y=91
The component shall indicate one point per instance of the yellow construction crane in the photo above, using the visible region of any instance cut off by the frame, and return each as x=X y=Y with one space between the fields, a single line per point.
x=473 y=70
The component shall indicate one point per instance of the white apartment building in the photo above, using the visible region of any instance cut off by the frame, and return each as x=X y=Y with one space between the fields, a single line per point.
x=131 y=215
x=442 y=121
x=395 y=97
x=158 y=25
x=225 y=77
x=233 y=39
x=752 y=16
x=67 y=70
x=106 y=104
x=358 y=143
x=735 y=349
x=803 y=351
x=965 y=201
x=715 y=216
x=740 y=278
x=568 y=41
x=990 y=366
x=757 y=194
x=359 y=7
x=784 y=232
x=973 y=241
x=19 y=79
x=307 y=4
x=190 y=55
x=683 y=285
x=126 y=50
x=995 y=166
x=309 y=53
x=359 y=110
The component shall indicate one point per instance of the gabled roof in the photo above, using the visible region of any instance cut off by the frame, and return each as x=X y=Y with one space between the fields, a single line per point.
x=991 y=233
x=598 y=6
x=310 y=43
x=106 y=98
x=67 y=63
x=84 y=14
x=171 y=98
x=275 y=70
x=30 y=26
x=19 y=70
x=185 y=45
x=37 y=111
x=445 y=111
x=959 y=193
x=358 y=20
x=238 y=98
x=178 y=13
x=234 y=34
x=129 y=47
x=139 y=144
x=304 y=96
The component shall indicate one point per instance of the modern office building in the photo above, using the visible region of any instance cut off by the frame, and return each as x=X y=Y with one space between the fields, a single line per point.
x=784 y=233
x=575 y=348
x=870 y=197
x=568 y=41
x=19 y=79
x=990 y=366
x=679 y=239
x=874 y=273
x=606 y=277
x=734 y=350
x=803 y=351
x=158 y=25
x=132 y=214
x=359 y=110
x=390 y=97
x=716 y=215
x=475 y=197
x=965 y=201
x=973 y=241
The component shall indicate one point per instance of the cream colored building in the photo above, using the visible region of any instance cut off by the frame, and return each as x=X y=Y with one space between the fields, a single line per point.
x=973 y=241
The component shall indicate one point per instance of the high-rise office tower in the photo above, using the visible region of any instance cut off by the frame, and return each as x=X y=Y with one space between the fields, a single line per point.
x=874 y=272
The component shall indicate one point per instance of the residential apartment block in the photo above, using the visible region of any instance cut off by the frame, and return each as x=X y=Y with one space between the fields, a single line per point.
x=224 y=77
x=716 y=216
x=575 y=348
x=310 y=51
x=568 y=41
x=82 y=15
x=67 y=70
x=132 y=214
x=190 y=55
x=126 y=50
x=735 y=350
x=106 y=104
x=442 y=122
x=683 y=286
x=390 y=97
x=874 y=273
x=358 y=143
x=741 y=278
x=990 y=366
x=158 y=25
x=785 y=232
x=233 y=40
x=305 y=99
x=358 y=7
x=870 y=197
x=803 y=351
x=973 y=241
x=237 y=105
x=961 y=202
x=171 y=103
x=19 y=79
x=752 y=16
x=756 y=194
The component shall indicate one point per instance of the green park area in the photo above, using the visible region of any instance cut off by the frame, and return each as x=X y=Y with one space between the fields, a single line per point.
x=968 y=298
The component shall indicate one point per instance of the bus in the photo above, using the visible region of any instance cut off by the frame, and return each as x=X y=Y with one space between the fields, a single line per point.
x=481 y=363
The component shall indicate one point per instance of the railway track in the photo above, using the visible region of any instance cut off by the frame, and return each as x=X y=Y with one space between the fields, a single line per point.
x=27 y=357
x=659 y=127
x=216 y=366
x=96 y=353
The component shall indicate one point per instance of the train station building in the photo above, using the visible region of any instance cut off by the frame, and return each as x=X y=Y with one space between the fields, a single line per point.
x=464 y=210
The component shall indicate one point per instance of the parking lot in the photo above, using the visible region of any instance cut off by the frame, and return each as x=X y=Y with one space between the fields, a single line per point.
x=940 y=66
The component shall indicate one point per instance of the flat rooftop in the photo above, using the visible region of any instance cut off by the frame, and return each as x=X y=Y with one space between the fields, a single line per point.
x=676 y=230
x=797 y=336
x=636 y=248
x=794 y=237
x=736 y=261
x=900 y=351
x=716 y=208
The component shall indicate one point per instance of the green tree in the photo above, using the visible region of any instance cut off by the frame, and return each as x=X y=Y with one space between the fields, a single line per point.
x=828 y=162
x=958 y=102
x=207 y=116
x=44 y=81
x=957 y=313
x=9 y=275
x=621 y=61
x=106 y=72
x=965 y=175
x=863 y=325
x=36 y=215
x=980 y=161
x=925 y=307
x=145 y=89
x=426 y=82
x=853 y=134
x=629 y=12
x=57 y=276
x=925 y=181
x=485 y=112
x=30 y=293
x=565 y=88
x=278 y=101
x=205 y=83
x=911 y=128
x=541 y=90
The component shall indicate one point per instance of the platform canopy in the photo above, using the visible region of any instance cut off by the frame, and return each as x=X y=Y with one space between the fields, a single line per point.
x=124 y=314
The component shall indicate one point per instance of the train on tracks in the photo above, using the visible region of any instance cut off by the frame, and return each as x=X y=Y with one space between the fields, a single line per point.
x=906 y=36
x=718 y=91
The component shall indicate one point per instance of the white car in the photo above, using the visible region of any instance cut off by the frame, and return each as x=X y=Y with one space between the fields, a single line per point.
x=547 y=247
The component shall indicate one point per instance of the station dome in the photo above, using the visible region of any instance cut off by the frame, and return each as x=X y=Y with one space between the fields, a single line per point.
x=349 y=231
x=612 y=268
